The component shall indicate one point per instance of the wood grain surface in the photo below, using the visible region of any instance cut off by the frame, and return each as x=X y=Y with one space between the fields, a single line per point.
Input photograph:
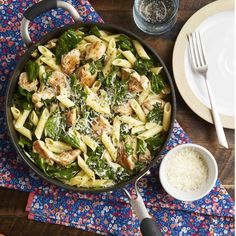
x=13 y=218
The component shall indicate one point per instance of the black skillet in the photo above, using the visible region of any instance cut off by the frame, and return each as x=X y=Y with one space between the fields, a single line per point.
x=148 y=226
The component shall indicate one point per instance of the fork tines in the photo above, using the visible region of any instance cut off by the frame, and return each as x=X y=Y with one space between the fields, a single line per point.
x=197 y=50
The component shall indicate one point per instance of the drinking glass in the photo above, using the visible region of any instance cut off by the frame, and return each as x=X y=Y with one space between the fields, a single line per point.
x=155 y=16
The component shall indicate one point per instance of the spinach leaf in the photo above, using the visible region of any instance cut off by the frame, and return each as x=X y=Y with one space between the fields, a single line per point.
x=59 y=172
x=92 y=68
x=24 y=142
x=66 y=42
x=71 y=138
x=21 y=102
x=100 y=63
x=32 y=70
x=102 y=169
x=156 y=82
x=156 y=114
x=94 y=30
x=154 y=143
x=26 y=94
x=141 y=146
x=124 y=43
x=142 y=66
x=54 y=126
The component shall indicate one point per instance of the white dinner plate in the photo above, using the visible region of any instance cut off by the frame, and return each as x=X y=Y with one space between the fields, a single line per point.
x=215 y=21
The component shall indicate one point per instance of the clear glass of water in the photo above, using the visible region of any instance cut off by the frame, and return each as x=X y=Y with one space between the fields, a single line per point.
x=155 y=16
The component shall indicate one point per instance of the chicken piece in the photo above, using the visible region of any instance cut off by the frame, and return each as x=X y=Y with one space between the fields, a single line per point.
x=70 y=61
x=40 y=148
x=64 y=159
x=126 y=73
x=145 y=157
x=58 y=81
x=138 y=83
x=85 y=76
x=124 y=159
x=124 y=109
x=100 y=125
x=38 y=97
x=71 y=117
x=24 y=83
x=95 y=51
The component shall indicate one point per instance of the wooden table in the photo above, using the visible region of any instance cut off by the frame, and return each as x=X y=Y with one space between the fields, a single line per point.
x=13 y=218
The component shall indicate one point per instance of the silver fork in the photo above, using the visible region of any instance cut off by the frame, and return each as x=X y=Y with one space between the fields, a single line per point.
x=199 y=63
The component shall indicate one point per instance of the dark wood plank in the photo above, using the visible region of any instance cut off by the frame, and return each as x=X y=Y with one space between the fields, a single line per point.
x=13 y=218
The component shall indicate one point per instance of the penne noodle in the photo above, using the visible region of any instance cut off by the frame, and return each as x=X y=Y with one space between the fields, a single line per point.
x=130 y=121
x=129 y=56
x=22 y=118
x=92 y=39
x=34 y=118
x=42 y=121
x=57 y=146
x=65 y=101
x=150 y=132
x=166 y=116
x=24 y=131
x=116 y=131
x=138 y=110
x=89 y=142
x=82 y=164
x=156 y=70
x=15 y=112
x=45 y=51
x=122 y=63
x=140 y=50
x=51 y=62
x=109 y=146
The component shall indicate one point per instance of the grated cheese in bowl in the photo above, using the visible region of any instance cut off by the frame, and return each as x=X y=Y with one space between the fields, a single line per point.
x=188 y=172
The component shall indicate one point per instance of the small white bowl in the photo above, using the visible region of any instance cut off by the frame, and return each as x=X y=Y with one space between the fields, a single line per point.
x=203 y=190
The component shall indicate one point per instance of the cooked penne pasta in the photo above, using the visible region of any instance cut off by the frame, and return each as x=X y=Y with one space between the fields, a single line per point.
x=140 y=50
x=116 y=131
x=138 y=129
x=130 y=120
x=150 y=132
x=34 y=118
x=122 y=63
x=166 y=116
x=89 y=142
x=138 y=110
x=45 y=51
x=109 y=146
x=96 y=86
x=65 y=101
x=24 y=131
x=111 y=48
x=92 y=39
x=129 y=56
x=15 y=112
x=85 y=167
x=57 y=146
x=42 y=121
x=156 y=70
x=51 y=62
x=22 y=118
x=108 y=66
x=110 y=37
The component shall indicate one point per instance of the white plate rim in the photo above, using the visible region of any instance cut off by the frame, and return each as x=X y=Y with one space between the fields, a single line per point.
x=178 y=61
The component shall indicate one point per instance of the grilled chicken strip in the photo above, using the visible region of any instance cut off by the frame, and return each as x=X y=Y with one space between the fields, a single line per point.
x=64 y=159
x=24 y=83
x=70 y=61
x=95 y=51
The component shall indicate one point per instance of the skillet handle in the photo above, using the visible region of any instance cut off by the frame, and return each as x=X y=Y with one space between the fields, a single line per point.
x=148 y=226
x=39 y=8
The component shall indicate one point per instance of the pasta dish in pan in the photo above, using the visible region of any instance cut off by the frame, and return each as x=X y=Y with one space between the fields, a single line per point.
x=91 y=107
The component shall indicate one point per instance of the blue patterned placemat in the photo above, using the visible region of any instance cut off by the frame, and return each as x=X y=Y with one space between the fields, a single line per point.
x=102 y=213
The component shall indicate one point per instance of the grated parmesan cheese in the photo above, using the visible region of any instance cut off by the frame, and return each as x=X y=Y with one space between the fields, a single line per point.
x=186 y=170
